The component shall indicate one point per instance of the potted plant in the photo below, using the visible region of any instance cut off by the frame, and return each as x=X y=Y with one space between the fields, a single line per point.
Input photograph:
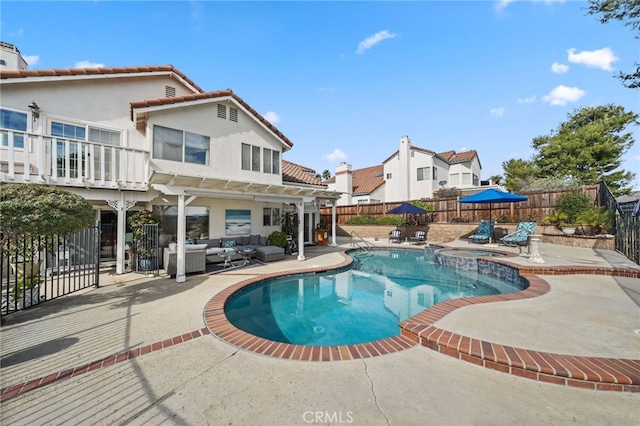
x=595 y=221
x=144 y=241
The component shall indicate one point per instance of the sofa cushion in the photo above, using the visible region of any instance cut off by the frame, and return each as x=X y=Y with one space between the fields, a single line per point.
x=254 y=240
x=263 y=241
x=228 y=243
x=244 y=240
x=194 y=247
x=213 y=242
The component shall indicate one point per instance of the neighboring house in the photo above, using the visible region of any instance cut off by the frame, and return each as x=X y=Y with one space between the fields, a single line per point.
x=147 y=137
x=410 y=173
x=630 y=204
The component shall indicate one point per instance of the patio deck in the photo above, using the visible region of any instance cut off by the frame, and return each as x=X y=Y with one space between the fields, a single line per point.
x=137 y=350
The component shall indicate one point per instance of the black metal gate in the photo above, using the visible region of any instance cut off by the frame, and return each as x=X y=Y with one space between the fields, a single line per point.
x=35 y=270
x=626 y=225
x=145 y=250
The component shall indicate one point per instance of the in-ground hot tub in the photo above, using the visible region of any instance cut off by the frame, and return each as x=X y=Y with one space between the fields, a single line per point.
x=463 y=258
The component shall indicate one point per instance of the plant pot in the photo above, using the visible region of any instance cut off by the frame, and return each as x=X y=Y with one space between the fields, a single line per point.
x=568 y=230
x=147 y=264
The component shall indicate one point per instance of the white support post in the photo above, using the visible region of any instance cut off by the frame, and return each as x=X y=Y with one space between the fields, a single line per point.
x=121 y=206
x=301 y=230
x=333 y=224
x=182 y=232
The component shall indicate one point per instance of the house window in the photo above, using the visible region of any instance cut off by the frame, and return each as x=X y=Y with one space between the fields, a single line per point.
x=222 y=111
x=76 y=158
x=13 y=120
x=233 y=114
x=466 y=178
x=423 y=173
x=454 y=179
x=255 y=158
x=266 y=160
x=270 y=216
x=275 y=163
x=176 y=145
x=435 y=173
x=475 y=180
x=388 y=175
x=246 y=156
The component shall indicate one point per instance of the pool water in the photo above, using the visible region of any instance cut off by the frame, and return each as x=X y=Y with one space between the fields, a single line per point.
x=361 y=303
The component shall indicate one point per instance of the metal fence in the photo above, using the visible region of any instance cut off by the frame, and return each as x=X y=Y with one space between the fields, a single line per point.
x=146 y=255
x=626 y=225
x=38 y=269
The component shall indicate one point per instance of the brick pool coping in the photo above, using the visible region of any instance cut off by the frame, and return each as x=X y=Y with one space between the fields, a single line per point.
x=597 y=373
x=219 y=326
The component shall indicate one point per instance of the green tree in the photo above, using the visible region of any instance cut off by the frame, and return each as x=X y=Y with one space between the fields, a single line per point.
x=588 y=147
x=627 y=12
x=497 y=179
x=517 y=173
x=29 y=209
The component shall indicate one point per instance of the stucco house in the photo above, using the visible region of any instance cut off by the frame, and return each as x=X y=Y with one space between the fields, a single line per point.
x=410 y=173
x=147 y=137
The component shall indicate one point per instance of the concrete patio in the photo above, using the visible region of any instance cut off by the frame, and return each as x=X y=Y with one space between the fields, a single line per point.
x=200 y=379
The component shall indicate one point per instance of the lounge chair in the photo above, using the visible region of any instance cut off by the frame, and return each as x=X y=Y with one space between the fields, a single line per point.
x=484 y=233
x=395 y=235
x=519 y=238
x=419 y=237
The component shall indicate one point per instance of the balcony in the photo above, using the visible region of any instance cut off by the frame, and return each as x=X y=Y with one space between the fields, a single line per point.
x=30 y=157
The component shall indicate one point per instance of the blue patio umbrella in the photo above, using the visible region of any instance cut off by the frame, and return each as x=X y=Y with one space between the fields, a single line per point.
x=406 y=208
x=490 y=196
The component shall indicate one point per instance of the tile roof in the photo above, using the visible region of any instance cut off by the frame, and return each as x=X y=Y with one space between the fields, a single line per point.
x=295 y=173
x=364 y=181
x=459 y=157
x=210 y=95
x=66 y=72
x=367 y=180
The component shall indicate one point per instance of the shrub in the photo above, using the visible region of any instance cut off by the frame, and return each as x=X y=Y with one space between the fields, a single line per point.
x=361 y=220
x=457 y=219
x=278 y=238
x=506 y=219
x=598 y=218
x=390 y=220
x=572 y=204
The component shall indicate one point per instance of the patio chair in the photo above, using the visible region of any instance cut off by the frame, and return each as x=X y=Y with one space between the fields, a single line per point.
x=484 y=232
x=419 y=237
x=395 y=235
x=519 y=238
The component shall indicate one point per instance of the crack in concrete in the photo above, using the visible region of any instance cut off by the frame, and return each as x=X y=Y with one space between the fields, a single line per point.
x=373 y=392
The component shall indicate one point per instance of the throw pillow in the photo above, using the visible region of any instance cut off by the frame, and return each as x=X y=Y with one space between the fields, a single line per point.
x=227 y=244
x=254 y=240
x=263 y=241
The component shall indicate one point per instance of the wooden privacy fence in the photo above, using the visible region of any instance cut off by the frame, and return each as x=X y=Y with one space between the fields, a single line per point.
x=539 y=205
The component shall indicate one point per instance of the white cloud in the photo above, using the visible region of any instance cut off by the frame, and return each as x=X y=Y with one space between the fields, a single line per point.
x=529 y=100
x=272 y=117
x=497 y=112
x=562 y=95
x=17 y=33
x=502 y=4
x=335 y=156
x=31 y=59
x=559 y=68
x=369 y=42
x=601 y=58
x=88 y=64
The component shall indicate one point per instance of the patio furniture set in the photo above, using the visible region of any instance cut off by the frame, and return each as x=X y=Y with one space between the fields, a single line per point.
x=238 y=251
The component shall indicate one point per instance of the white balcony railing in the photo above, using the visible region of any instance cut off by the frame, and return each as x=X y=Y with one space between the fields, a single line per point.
x=30 y=157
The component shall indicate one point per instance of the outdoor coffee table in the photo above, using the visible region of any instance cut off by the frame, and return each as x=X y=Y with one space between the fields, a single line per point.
x=227 y=255
x=246 y=255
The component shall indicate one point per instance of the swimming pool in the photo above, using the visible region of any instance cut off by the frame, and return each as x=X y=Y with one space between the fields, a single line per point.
x=360 y=303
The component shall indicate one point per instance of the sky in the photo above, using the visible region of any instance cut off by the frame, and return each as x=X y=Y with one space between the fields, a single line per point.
x=344 y=81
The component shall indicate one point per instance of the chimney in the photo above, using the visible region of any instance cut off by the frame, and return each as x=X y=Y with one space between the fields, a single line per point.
x=344 y=183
